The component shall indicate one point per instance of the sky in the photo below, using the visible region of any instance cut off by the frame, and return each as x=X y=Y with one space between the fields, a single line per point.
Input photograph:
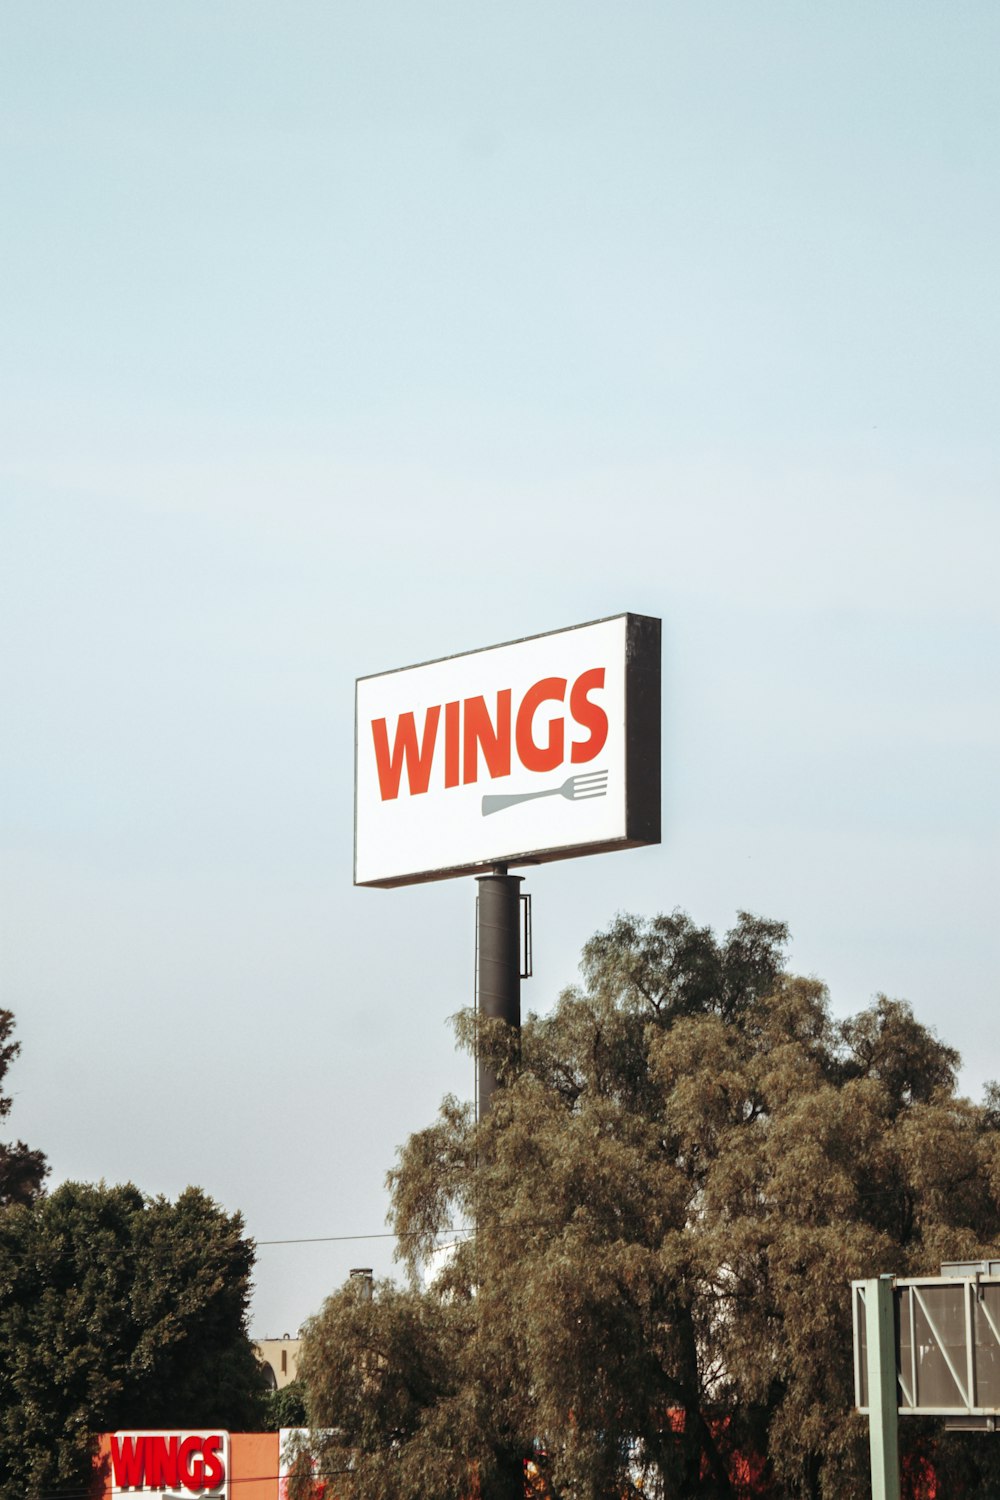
x=340 y=336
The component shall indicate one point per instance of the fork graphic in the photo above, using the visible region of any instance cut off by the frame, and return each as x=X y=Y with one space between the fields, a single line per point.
x=575 y=789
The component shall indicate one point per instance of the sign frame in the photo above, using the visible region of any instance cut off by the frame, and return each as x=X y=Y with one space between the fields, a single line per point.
x=641 y=756
x=946 y=1341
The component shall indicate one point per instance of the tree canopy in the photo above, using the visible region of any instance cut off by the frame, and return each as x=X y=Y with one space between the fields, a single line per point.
x=116 y=1311
x=22 y=1170
x=687 y=1163
x=284 y=1408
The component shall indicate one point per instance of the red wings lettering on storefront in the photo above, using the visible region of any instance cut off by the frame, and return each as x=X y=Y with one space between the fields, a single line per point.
x=159 y=1461
x=128 y=1461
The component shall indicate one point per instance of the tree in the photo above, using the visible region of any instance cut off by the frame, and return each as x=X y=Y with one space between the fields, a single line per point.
x=284 y=1408
x=22 y=1170
x=688 y=1162
x=117 y=1311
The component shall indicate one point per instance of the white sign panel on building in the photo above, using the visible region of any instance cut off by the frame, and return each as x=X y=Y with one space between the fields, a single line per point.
x=534 y=750
x=170 y=1465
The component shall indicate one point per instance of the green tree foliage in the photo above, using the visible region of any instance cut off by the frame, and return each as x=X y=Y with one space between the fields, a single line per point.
x=689 y=1161
x=22 y=1170
x=284 y=1408
x=117 y=1311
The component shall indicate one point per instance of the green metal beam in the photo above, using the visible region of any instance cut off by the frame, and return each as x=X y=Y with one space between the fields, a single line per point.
x=883 y=1397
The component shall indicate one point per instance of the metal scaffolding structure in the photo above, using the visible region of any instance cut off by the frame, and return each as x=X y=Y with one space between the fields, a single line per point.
x=925 y=1346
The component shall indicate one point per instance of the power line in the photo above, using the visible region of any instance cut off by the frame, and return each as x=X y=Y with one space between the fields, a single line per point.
x=231 y=1480
x=331 y=1239
x=866 y=1197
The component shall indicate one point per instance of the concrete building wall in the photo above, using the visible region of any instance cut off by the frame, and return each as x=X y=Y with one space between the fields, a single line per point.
x=281 y=1357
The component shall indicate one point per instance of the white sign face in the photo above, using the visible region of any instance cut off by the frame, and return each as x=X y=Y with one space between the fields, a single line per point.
x=534 y=750
x=290 y=1461
x=171 y=1465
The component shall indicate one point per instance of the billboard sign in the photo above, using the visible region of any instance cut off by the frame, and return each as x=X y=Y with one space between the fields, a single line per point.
x=534 y=750
x=947 y=1345
x=170 y=1465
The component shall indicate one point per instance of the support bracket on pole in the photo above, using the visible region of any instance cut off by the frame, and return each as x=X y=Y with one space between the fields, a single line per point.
x=527 y=956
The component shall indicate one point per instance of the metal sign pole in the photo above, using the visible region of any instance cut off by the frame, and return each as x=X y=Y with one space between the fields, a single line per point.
x=883 y=1398
x=498 y=943
x=498 y=947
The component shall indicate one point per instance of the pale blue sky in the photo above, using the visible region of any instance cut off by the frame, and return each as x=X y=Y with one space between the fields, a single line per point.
x=339 y=336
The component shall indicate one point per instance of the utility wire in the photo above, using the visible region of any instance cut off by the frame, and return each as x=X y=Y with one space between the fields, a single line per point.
x=866 y=1197
x=87 y=1494
x=330 y=1239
